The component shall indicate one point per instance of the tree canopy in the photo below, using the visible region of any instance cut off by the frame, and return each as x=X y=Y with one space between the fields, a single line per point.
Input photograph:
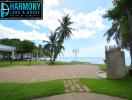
x=25 y=45
x=121 y=29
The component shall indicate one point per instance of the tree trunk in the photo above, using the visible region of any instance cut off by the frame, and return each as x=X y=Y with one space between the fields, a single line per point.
x=130 y=70
x=131 y=54
x=54 y=60
x=22 y=55
x=129 y=19
x=51 y=60
x=130 y=42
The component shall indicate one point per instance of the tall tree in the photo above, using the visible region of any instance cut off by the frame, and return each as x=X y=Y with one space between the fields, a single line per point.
x=53 y=47
x=121 y=29
x=64 y=30
x=40 y=51
x=26 y=47
x=55 y=44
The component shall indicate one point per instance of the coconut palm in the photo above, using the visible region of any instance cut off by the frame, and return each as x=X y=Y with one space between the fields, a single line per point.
x=55 y=44
x=52 y=47
x=64 y=30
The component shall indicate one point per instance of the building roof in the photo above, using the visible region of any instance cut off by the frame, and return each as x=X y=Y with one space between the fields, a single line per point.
x=7 y=48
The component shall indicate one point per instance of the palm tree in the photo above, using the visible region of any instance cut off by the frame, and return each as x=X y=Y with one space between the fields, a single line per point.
x=55 y=44
x=53 y=47
x=113 y=32
x=64 y=30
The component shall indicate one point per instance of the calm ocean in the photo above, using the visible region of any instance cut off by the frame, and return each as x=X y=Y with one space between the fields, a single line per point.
x=93 y=60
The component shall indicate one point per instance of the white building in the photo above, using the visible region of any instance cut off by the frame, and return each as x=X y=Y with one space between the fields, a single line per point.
x=5 y=48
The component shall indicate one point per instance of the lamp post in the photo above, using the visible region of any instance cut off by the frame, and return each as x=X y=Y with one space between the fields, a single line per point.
x=75 y=51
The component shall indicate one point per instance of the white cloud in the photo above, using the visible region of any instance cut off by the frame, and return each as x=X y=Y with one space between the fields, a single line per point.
x=30 y=24
x=6 y=32
x=91 y=20
x=86 y=24
x=84 y=33
x=51 y=3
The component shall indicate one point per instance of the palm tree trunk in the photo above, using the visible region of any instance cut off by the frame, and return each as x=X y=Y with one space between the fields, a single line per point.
x=50 y=59
x=54 y=60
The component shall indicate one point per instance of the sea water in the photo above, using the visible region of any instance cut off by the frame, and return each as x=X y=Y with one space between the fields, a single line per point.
x=92 y=60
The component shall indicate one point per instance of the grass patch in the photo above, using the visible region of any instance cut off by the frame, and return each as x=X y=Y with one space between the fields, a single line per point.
x=64 y=63
x=60 y=63
x=18 y=63
x=102 y=67
x=120 y=88
x=27 y=91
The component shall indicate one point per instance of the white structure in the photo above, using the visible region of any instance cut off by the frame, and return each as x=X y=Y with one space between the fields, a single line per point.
x=8 y=49
x=115 y=61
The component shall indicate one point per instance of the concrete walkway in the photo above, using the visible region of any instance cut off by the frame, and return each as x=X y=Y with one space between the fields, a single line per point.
x=45 y=73
x=80 y=96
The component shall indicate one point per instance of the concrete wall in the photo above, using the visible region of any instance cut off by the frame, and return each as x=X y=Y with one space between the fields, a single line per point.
x=115 y=62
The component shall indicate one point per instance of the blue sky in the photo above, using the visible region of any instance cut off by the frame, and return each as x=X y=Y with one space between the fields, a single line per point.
x=89 y=24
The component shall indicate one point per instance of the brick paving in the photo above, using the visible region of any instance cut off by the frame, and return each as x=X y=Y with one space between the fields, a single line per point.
x=45 y=73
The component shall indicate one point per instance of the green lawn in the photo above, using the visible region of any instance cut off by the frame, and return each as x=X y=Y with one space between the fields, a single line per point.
x=18 y=63
x=26 y=63
x=64 y=63
x=27 y=91
x=120 y=88
x=59 y=63
x=102 y=67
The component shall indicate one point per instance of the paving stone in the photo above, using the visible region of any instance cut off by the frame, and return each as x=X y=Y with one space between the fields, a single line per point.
x=74 y=81
x=73 y=85
x=77 y=80
x=80 y=90
x=86 y=88
x=77 y=85
x=70 y=82
x=73 y=88
x=66 y=85
x=67 y=91
x=64 y=81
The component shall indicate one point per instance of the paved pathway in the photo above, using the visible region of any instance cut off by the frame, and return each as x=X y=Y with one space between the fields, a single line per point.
x=73 y=85
x=77 y=91
x=80 y=96
x=45 y=72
